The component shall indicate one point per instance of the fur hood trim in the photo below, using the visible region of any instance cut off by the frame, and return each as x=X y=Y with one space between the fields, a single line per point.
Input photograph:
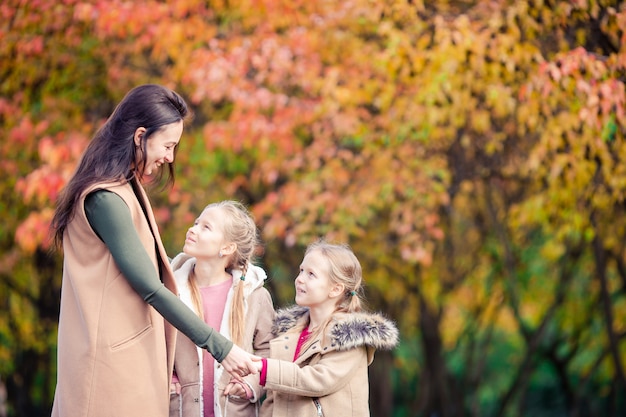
x=345 y=330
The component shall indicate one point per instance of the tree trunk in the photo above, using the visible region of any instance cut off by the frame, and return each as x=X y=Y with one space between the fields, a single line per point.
x=607 y=309
x=381 y=389
x=435 y=396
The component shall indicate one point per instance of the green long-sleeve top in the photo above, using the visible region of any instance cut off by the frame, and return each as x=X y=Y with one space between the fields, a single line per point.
x=110 y=218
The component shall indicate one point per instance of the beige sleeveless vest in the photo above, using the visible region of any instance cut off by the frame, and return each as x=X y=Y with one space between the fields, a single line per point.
x=115 y=352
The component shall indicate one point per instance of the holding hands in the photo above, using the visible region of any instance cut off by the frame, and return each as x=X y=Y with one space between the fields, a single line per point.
x=240 y=363
x=238 y=387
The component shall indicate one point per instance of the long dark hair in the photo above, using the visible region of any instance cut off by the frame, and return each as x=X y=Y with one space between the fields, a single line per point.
x=111 y=155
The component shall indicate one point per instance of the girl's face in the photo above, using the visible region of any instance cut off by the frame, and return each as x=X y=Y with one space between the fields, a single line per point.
x=313 y=285
x=205 y=238
x=160 y=145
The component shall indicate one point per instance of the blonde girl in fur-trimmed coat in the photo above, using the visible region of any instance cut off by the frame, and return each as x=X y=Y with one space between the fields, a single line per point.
x=322 y=347
x=216 y=279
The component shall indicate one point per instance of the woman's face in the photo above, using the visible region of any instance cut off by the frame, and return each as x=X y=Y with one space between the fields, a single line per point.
x=160 y=145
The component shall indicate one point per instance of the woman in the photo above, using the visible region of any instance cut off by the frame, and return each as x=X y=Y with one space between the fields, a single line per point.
x=119 y=309
x=217 y=279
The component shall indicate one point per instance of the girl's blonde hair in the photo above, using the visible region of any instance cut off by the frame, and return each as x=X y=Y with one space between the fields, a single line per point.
x=343 y=268
x=239 y=228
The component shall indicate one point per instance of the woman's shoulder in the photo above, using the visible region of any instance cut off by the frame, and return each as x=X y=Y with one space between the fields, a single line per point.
x=117 y=187
x=350 y=330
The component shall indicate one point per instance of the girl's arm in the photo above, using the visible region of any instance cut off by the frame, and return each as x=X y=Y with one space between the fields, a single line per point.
x=328 y=375
x=110 y=218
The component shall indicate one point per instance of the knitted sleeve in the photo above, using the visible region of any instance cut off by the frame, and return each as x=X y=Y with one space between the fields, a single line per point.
x=110 y=218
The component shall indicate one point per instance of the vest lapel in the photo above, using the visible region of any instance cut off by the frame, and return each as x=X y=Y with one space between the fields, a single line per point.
x=166 y=273
x=167 y=276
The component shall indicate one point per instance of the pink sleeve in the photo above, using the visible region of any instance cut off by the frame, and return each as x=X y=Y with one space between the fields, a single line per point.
x=263 y=376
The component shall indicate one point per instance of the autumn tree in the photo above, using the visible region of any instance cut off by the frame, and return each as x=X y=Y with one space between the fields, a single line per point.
x=469 y=152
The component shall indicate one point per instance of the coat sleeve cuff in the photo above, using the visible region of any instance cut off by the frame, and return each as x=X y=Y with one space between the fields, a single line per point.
x=263 y=376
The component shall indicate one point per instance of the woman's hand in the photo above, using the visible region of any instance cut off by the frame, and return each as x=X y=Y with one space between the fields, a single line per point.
x=240 y=363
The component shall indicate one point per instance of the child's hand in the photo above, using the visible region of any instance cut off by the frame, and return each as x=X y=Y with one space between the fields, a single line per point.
x=236 y=388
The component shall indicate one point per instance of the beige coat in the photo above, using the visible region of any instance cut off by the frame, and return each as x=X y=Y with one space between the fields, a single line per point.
x=329 y=378
x=115 y=352
x=188 y=361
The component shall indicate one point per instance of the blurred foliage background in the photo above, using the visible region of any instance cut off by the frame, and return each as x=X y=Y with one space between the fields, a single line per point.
x=471 y=152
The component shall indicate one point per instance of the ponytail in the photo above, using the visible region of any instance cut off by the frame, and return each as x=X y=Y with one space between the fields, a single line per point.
x=196 y=298
x=352 y=302
x=237 y=310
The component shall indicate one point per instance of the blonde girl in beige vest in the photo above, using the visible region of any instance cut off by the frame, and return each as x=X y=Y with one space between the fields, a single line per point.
x=217 y=279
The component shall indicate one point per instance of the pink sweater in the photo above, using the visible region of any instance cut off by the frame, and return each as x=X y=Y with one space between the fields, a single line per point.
x=213 y=303
x=304 y=335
